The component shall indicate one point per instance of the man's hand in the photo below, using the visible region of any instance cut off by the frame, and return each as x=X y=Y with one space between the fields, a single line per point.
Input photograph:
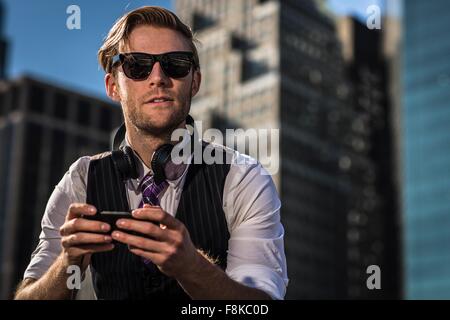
x=81 y=237
x=167 y=243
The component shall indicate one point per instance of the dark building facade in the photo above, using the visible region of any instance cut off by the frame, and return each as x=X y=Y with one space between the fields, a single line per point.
x=280 y=64
x=373 y=217
x=43 y=130
x=314 y=112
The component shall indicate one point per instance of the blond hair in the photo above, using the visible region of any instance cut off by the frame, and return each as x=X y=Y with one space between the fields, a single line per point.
x=148 y=15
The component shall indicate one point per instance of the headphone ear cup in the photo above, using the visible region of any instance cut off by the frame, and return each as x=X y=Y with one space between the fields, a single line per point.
x=125 y=163
x=159 y=160
x=189 y=120
x=131 y=160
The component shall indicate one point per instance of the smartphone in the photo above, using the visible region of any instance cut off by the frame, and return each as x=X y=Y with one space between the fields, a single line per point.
x=111 y=217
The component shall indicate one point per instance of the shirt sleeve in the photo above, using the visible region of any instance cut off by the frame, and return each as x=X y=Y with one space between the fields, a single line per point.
x=256 y=255
x=71 y=188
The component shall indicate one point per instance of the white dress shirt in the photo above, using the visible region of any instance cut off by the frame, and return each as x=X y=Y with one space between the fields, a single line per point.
x=251 y=205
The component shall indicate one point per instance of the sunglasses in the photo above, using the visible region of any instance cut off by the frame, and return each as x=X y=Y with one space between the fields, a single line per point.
x=138 y=65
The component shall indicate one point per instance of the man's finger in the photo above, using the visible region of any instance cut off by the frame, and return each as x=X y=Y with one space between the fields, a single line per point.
x=92 y=248
x=79 y=224
x=156 y=214
x=83 y=238
x=156 y=258
x=147 y=228
x=139 y=242
x=79 y=209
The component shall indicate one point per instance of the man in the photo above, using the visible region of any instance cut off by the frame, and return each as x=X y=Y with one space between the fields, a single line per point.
x=217 y=234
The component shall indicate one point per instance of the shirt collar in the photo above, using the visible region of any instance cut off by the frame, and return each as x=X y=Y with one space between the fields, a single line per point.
x=143 y=170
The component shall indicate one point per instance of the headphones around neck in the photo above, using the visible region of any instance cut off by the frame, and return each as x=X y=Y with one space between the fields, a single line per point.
x=125 y=160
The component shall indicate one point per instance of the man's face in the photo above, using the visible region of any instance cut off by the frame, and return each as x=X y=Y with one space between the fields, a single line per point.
x=155 y=118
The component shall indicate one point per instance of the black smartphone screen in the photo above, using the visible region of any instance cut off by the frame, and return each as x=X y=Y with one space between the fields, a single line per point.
x=110 y=217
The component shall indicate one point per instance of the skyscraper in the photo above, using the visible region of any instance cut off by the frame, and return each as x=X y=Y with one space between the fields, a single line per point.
x=426 y=157
x=251 y=53
x=43 y=129
x=373 y=217
x=279 y=64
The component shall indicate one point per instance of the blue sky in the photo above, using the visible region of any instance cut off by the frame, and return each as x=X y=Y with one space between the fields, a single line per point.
x=354 y=7
x=41 y=44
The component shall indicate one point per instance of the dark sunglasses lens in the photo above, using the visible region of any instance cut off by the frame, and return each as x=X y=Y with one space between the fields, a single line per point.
x=177 y=65
x=136 y=68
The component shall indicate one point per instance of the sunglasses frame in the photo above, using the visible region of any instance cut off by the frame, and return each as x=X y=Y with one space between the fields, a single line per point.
x=120 y=58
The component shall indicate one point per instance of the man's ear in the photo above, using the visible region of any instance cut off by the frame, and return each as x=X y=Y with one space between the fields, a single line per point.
x=111 y=87
x=196 y=80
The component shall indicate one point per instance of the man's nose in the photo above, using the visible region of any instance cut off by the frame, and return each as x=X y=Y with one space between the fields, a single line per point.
x=157 y=76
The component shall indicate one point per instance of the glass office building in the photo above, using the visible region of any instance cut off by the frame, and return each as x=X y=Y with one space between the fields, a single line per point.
x=426 y=150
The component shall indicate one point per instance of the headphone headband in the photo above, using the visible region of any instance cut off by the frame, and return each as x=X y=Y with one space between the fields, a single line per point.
x=125 y=160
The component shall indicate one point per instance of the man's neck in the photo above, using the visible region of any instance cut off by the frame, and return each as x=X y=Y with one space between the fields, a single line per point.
x=144 y=144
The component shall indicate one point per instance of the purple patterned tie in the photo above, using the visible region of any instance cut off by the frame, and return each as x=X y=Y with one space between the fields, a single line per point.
x=150 y=193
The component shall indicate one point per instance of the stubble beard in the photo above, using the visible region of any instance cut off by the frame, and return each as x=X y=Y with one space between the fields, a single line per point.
x=149 y=128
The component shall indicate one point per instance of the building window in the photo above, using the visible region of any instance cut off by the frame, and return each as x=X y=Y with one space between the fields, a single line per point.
x=252 y=69
x=37 y=99
x=58 y=151
x=60 y=106
x=15 y=99
x=105 y=118
x=201 y=22
x=83 y=115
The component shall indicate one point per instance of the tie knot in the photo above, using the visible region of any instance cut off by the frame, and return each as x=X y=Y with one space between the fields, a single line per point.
x=150 y=190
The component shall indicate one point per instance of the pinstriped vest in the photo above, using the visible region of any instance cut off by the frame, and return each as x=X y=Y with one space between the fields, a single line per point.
x=119 y=274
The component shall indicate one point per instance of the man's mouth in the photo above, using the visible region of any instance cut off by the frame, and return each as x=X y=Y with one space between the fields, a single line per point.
x=159 y=100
